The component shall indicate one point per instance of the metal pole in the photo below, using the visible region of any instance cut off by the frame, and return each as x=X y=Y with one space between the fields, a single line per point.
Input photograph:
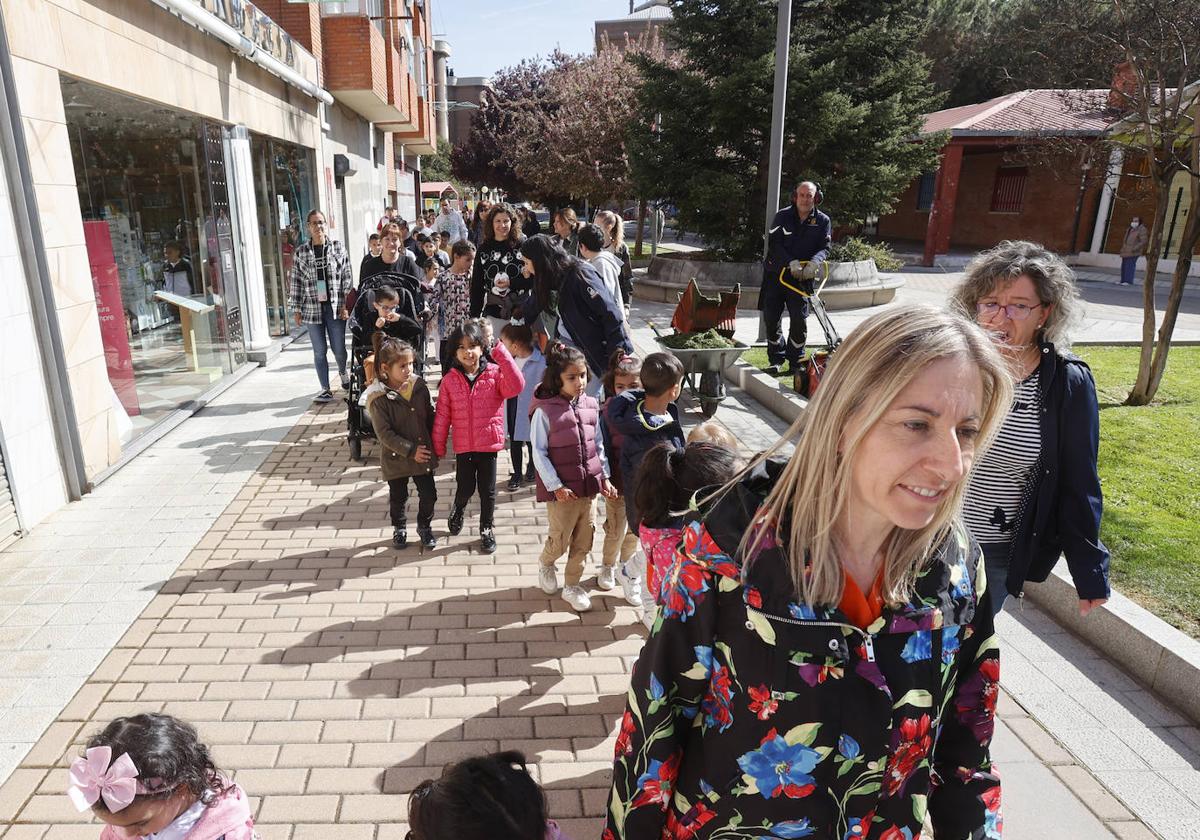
x=775 y=173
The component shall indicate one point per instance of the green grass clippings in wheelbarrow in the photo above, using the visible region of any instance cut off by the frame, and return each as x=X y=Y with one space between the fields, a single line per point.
x=703 y=369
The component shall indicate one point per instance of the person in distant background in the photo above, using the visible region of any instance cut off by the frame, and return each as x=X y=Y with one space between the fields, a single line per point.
x=177 y=271
x=450 y=224
x=530 y=226
x=1132 y=249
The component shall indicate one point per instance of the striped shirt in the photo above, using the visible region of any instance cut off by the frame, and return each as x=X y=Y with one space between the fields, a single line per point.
x=999 y=485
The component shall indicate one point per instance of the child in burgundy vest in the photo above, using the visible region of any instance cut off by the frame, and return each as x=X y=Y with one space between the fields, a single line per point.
x=568 y=454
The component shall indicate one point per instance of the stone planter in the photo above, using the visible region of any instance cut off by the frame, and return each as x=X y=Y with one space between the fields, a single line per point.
x=851 y=285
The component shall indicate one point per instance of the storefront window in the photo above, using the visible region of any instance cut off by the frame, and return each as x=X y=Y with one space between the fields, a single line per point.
x=283 y=188
x=156 y=220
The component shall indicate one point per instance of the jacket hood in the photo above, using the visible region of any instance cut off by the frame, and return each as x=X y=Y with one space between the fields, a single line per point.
x=608 y=257
x=629 y=416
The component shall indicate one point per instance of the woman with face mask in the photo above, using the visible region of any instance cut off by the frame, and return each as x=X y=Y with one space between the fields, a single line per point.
x=1133 y=247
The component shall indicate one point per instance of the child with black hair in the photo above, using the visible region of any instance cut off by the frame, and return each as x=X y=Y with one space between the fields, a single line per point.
x=669 y=482
x=471 y=402
x=518 y=339
x=387 y=310
x=149 y=775
x=490 y=797
x=620 y=543
x=647 y=416
x=401 y=413
x=452 y=297
x=568 y=452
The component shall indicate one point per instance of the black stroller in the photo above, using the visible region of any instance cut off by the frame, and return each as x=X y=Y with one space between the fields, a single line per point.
x=411 y=327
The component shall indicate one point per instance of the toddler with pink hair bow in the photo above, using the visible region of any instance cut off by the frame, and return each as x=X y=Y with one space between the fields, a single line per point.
x=149 y=776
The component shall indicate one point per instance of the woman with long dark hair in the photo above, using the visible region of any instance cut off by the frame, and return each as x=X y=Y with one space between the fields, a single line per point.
x=496 y=280
x=574 y=305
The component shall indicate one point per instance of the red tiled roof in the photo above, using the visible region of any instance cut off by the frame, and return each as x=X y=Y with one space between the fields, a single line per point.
x=1027 y=112
x=436 y=187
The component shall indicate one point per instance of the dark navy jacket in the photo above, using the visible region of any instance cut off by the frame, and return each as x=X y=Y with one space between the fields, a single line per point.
x=1064 y=510
x=625 y=415
x=792 y=238
x=595 y=321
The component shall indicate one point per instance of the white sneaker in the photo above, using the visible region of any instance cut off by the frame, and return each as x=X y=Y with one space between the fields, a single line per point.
x=631 y=585
x=548 y=579
x=577 y=598
x=606 y=578
x=649 y=614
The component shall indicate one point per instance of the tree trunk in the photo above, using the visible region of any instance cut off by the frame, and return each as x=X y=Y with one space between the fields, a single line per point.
x=1187 y=246
x=1141 y=393
x=1152 y=366
x=641 y=220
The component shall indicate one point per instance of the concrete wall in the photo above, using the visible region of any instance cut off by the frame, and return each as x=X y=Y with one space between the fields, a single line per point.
x=365 y=192
x=140 y=49
x=34 y=470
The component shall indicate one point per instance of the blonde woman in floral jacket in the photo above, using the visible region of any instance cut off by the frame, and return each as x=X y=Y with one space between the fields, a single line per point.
x=825 y=624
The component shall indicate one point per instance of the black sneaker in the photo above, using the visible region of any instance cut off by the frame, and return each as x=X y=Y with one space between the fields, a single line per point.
x=325 y=396
x=455 y=523
x=425 y=535
x=400 y=537
x=773 y=370
x=530 y=475
x=487 y=541
x=514 y=482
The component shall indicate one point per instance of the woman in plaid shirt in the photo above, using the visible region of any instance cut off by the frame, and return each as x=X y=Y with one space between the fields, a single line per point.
x=317 y=285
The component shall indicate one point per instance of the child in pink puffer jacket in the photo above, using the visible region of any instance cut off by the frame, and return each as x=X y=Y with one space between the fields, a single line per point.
x=149 y=775
x=471 y=402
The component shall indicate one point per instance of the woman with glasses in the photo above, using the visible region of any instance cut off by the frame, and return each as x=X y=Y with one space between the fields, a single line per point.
x=1035 y=495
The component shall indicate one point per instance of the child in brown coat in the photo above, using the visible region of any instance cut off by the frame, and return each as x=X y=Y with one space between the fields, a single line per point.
x=401 y=412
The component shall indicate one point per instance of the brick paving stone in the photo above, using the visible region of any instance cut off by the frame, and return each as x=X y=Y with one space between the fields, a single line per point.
x=333 y=673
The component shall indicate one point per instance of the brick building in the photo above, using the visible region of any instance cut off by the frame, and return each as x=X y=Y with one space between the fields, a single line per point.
x=996 y=179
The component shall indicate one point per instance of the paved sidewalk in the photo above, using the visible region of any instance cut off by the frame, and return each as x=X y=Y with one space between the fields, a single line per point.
x=70 y=590
x=332 y=673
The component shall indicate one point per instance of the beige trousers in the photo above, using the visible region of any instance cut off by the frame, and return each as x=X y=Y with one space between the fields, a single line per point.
x=618 y=542
x=571 y=532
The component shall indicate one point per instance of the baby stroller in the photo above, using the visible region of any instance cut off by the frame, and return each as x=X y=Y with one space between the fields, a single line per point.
x=410 y=327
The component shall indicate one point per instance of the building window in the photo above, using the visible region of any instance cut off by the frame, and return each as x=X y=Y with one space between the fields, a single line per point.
x=1008 y=193
x=925 y=191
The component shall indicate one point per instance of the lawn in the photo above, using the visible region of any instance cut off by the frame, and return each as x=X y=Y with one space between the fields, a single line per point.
x=1150 y=473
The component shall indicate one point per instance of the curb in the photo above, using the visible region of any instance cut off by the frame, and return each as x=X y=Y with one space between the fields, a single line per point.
x=1165 y=660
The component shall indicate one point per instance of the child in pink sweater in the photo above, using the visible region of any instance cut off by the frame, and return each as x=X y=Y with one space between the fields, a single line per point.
x=150 y=775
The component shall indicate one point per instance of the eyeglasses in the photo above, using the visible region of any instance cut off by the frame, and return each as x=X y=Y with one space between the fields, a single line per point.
x=1014 y=311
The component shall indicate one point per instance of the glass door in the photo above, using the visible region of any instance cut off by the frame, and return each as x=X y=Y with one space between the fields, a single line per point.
x=219 y=247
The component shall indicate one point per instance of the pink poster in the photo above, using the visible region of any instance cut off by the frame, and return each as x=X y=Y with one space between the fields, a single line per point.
x=106 y=282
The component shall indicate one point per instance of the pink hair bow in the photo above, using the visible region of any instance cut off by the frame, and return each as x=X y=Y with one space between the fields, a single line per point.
x=92 y=777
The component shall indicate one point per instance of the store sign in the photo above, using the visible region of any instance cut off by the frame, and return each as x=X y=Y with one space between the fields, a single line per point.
x=263 y=32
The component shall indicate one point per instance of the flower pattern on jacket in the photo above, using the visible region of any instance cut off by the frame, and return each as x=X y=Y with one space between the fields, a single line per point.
x=753 y=716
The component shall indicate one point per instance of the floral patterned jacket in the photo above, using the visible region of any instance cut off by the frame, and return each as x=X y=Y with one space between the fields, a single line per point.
x=751 y=715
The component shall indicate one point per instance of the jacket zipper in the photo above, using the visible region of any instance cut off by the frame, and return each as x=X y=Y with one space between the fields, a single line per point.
x=868 y=642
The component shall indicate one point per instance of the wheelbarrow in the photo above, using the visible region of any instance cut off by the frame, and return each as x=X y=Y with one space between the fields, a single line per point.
x=704 y=368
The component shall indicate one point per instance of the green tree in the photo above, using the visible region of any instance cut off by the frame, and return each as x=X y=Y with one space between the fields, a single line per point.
x=857 y=90
x=436 y=167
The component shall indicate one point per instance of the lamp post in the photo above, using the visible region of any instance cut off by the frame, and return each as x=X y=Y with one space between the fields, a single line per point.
x=783 y=33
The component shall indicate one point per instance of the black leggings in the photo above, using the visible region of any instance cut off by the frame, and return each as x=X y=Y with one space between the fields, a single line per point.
x=516 y=448
x=398 y=497
x=476 y=470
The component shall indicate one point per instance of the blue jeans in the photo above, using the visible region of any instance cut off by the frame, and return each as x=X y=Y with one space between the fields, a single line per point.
x=995 y=564
x=1128 y=267
x=335 y=329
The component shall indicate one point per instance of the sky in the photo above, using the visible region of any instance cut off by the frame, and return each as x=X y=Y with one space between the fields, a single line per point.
x=486 y=35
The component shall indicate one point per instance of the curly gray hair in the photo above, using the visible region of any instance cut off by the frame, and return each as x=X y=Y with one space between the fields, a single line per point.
x=1053 y=279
